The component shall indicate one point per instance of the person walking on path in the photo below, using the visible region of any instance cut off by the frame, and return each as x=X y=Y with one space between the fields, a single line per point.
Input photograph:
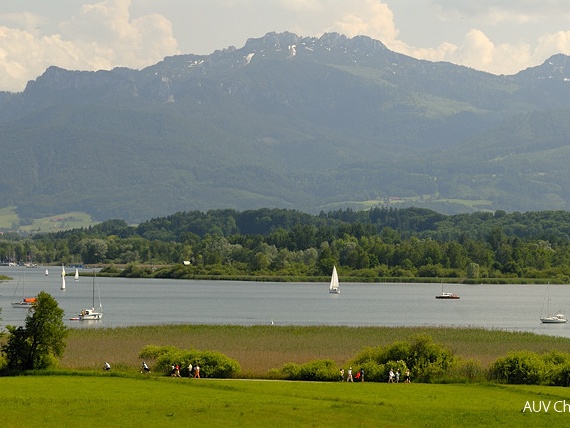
x=397 y=375
x=407 y=376
x=361 y=375
x=349 y=376
x=197 y=372
x=341 y=375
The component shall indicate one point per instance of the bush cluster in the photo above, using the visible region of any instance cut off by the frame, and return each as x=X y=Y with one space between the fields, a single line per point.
x=430 y=362
x=319 y=370
x=530 y=368
x=212 y=364
x=426 y=360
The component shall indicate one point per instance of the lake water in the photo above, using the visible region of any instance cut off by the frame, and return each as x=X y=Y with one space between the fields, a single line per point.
x=128 y=302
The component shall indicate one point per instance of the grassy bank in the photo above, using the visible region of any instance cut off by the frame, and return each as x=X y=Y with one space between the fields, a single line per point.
x=54 y=401
x=259 y=349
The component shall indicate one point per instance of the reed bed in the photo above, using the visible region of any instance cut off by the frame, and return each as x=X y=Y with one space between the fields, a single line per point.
x=259 y=349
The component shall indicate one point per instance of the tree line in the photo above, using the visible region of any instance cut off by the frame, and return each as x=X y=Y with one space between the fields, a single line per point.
x=376 y=243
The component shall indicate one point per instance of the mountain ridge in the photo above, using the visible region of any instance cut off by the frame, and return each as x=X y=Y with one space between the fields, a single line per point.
x=290 y=122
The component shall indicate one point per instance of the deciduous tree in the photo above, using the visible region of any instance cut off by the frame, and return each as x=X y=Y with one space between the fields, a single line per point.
x=41 y=341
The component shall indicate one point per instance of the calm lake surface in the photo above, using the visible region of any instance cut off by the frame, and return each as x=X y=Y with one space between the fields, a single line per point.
x=128 y=302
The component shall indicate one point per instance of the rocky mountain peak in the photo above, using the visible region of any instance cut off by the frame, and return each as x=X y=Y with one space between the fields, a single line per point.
x=556 y=67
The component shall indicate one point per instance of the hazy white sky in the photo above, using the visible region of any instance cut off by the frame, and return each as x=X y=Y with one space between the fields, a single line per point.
x=499 y=36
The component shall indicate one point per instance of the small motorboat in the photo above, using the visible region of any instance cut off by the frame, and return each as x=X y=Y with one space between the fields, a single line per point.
x=447 y=296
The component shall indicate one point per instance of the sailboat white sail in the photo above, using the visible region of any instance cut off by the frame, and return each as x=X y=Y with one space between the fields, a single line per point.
x=76 y=274
x=62 y=277
x=334 y=285
x=92 y=314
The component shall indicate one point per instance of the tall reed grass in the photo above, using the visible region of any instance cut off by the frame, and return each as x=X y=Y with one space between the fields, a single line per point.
x=259 y=349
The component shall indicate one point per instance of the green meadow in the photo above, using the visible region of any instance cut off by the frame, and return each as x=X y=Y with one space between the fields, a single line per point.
x=107 y=401
x=9 y=219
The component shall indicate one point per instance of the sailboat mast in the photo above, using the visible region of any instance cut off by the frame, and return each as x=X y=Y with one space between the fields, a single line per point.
x=93 y=289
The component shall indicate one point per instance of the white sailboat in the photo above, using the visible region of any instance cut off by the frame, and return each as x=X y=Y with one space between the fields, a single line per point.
x=62 y=277
x=92 y=314
x=76 y=274
x=334 y=285
x=26 y=302
x=557 y=318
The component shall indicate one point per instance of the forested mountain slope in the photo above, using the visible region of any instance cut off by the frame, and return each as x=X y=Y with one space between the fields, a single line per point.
x=285 y=121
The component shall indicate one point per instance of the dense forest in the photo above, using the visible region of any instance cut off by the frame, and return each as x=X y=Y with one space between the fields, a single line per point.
x=373 y=244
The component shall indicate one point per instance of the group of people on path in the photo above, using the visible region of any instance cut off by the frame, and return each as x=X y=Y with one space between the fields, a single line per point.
x=395 y=377
x=196 y=370
x=392 y=377
x=175 y=369
x=349 y=378
x=175 y=372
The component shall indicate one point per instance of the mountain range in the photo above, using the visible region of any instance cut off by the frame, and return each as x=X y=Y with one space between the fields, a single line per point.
x=291 y=122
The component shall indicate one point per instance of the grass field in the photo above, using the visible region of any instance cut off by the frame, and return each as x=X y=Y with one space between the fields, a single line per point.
x=65 y=221
x=9 y=219
x=106 y=401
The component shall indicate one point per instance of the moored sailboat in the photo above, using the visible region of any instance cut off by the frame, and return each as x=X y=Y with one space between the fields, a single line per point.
x=26 y=302
x=557 y=318
x=92 y=314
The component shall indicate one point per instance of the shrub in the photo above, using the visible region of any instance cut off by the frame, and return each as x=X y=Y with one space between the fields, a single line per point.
x=152 y=352
x=398 y=351
x=520 y=367
x=426 y=360
x=212 y=364
x=318 y=370
x=561 y=376
x=291 y=371
x=373 y=372
x=368 y=354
